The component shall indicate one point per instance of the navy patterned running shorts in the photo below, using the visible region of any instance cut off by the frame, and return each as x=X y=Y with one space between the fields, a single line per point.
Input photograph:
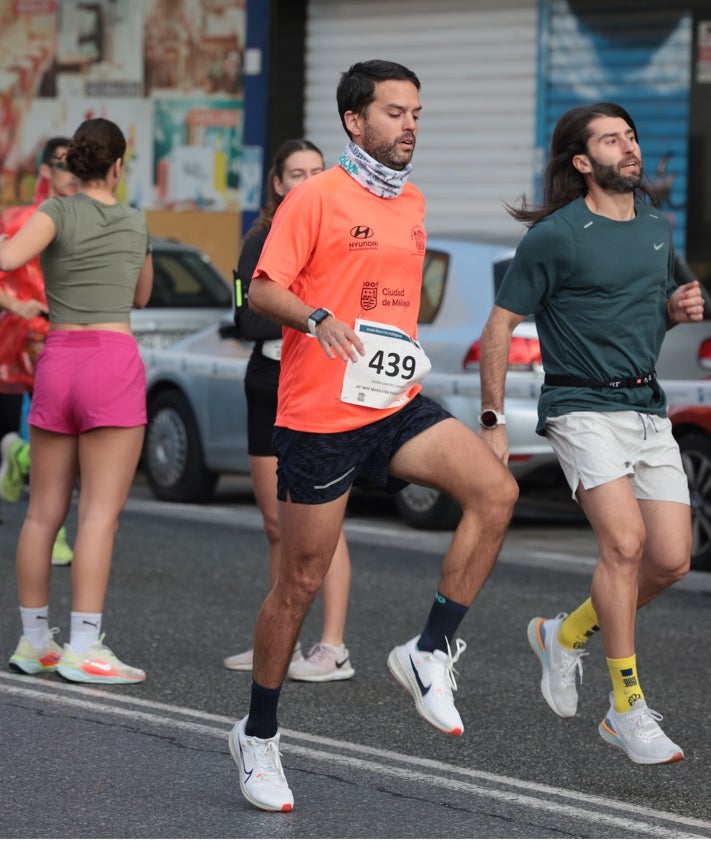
x=318 y=467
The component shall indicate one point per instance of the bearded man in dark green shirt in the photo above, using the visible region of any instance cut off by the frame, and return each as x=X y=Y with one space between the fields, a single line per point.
x=595 y=268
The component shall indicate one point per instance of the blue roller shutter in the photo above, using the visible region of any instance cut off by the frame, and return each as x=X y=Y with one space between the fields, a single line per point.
x=636 y=54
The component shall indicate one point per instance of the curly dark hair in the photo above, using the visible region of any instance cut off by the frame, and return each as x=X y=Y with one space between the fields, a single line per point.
x=96 y=145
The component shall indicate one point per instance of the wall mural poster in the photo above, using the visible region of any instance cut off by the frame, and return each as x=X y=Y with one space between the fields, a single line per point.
x=173 y=66
x=49 y=118
x=133 y=117
x=99 y=49
x=27 y=42
x=197 y=153
x=194 y=47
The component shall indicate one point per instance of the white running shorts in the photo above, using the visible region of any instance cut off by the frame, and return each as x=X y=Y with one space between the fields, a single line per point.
x=598 y=447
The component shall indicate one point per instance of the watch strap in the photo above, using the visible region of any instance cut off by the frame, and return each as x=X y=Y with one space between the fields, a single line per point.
x=490 y=419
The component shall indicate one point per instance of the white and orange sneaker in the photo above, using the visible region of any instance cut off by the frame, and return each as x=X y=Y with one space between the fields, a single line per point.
x=97 y=665
x=560 y=666
x=34 y=661
x=638 y=734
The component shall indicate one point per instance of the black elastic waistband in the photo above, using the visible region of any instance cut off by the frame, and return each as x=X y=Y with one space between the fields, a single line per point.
x=618 y=382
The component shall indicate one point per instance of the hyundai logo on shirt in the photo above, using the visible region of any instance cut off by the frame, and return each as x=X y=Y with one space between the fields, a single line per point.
x=362 y=232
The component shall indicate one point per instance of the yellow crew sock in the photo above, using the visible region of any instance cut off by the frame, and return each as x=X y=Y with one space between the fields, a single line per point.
x=625 y=683
x=577 y=628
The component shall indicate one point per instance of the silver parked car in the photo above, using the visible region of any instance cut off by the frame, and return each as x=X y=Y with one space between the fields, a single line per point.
x=460 y=276
x=197 y=411
x=188 y=293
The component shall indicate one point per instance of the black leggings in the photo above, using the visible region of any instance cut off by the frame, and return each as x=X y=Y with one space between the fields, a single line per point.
x=10 y=413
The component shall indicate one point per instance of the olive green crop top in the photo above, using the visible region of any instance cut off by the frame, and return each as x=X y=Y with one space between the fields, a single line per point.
x=92 y=265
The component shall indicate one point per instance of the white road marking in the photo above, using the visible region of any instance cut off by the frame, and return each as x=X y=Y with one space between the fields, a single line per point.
x=577 y=805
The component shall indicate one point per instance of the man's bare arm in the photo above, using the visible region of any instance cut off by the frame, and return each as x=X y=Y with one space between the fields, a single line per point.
x=495 y=344
x=279 y=304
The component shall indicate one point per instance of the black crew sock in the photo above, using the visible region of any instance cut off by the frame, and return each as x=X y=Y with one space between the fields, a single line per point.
x=262 y=720
x=442 y=623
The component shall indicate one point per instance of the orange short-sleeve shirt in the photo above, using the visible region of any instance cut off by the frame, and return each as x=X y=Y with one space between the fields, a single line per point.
x=336 y=245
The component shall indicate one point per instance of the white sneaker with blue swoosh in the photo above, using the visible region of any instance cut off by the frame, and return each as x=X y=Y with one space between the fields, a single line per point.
x=429 y=678
x=261 y=776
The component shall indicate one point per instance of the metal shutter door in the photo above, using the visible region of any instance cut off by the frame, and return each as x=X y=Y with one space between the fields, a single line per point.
x=636 y=55
x=476 y=62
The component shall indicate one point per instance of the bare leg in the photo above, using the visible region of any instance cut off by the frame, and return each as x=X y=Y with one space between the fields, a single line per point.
x=616 y=519
x=264 y=483
x=336 y=584
x=667 y=550
x=52 y=476
x=108 y=458
x=334 y=592
x=450 y=457
x=310 y=534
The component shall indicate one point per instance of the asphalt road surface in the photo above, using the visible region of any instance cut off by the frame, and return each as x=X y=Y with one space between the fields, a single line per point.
x=152 y=761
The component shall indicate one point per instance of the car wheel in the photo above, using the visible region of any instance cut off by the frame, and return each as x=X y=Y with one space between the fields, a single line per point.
x=172 y=453
x=425 y=508
x=696 y=457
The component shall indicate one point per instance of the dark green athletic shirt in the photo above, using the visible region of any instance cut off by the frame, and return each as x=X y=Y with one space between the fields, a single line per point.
x=598 y=291
x=91 y=267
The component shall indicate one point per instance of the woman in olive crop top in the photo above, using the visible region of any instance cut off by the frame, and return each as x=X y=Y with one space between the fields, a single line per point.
x=88 y=409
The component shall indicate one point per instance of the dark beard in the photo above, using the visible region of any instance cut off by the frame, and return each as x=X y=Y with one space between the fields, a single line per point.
x=386 y=154
x=608 y=178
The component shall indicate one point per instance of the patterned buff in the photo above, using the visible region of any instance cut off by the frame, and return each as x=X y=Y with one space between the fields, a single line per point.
x=379 y=179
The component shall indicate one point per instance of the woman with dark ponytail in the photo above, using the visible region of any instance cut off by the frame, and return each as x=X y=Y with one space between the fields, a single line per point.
x=88 y=409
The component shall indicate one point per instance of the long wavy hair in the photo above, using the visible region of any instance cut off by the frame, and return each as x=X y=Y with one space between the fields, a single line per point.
x=561 y=181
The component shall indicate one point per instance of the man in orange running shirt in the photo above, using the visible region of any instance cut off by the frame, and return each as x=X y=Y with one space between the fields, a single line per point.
x=342 y=271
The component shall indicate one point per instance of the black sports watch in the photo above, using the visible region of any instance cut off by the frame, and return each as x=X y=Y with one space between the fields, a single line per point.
x=490 y=419
x=316 y=318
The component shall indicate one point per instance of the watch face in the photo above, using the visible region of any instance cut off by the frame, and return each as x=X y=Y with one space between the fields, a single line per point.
x=488 y=419
x=316 y=317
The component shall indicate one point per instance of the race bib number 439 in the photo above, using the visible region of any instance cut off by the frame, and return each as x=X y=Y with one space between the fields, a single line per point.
x=392 y=364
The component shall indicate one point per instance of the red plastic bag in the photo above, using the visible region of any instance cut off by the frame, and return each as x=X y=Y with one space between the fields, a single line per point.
x=21 y=340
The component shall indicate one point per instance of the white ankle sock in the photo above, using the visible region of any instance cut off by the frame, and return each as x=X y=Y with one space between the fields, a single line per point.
x=84 y=632
x=35 y=625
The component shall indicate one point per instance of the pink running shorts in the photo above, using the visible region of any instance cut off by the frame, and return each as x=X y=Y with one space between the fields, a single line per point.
x=87 y=379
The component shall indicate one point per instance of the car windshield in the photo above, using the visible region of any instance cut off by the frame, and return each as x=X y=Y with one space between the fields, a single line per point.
x=183 y=279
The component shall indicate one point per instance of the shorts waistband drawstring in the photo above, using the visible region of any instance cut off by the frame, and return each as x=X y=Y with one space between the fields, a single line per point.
x=644 y=419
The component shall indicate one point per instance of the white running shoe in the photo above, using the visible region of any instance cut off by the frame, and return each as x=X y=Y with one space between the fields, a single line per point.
x=97 y=665
x=639 y=735
x=559 y=665
x=240 y=662
x=243 y=662
x=323 y=663
x=33 y=661
x=261 y=776
x=429 y=678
